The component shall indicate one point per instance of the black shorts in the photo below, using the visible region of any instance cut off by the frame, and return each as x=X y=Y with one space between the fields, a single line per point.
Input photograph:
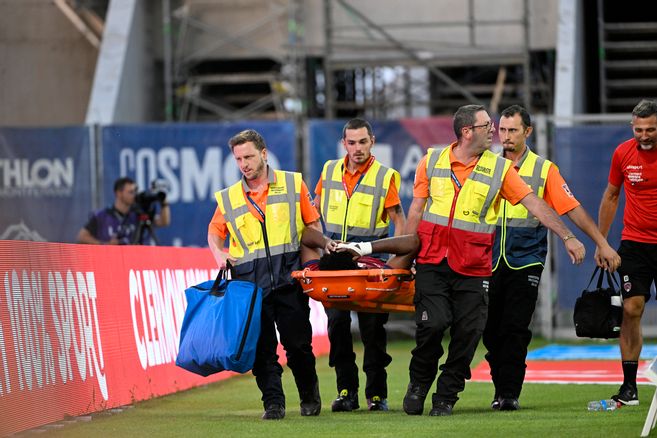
x=638 y=269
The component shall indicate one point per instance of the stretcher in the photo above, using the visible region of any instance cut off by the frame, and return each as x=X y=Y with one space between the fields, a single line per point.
x=361 y=290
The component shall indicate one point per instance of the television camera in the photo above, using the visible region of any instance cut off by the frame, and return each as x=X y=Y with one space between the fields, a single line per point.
x=145 y=206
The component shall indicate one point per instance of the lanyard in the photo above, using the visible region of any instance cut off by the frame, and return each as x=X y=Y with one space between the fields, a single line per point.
x=454 y=178
x=258 y=209
x=362 y=175
x=264 y=235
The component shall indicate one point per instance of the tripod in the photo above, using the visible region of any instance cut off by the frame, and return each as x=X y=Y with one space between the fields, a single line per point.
x=145 y=224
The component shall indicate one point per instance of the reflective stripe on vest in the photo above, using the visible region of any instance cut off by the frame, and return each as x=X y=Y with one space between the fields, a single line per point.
x=521 y=238
x=473 y=210
x=533 y=170
x=284 y=222
x=362 y=213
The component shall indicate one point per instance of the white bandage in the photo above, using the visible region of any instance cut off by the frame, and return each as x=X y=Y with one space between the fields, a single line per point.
x=362 y=248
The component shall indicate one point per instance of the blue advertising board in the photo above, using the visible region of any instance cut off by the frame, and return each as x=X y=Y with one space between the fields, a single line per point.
x=195 y=162
x=47 y=178
x=45 y=183
x=583 y=155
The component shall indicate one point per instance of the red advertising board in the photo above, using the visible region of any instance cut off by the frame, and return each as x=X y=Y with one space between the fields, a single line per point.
x=85 y=328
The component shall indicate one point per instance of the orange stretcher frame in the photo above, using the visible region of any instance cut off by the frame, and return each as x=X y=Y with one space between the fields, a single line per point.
x=361 y=290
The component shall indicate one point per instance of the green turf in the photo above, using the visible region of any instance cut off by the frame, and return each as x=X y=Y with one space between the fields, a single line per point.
x=232 y=408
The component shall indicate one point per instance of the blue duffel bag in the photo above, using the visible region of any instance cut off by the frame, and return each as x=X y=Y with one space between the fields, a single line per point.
x=221 y=326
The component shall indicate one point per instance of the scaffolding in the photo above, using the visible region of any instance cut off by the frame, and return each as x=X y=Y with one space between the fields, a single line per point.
x=354 y=62
x=414 y=64
x=265 y=83
x=627 y=56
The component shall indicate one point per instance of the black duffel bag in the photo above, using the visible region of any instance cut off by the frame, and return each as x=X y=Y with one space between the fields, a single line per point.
x=599 y=312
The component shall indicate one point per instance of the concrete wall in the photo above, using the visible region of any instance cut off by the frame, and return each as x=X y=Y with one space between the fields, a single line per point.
x=569 y=91
x=123 y=90
x=422 y=24
x=240 y=28
x=46 y=66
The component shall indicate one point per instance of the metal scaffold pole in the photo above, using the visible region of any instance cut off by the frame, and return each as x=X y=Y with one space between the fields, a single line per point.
x=329 y=92
x=527 y=61
x=168 y=60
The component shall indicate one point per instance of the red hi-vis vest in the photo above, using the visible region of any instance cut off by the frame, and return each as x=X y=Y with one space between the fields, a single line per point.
x=460 y=225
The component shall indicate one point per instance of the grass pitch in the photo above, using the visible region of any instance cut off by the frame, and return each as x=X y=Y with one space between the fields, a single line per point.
x=232 y=408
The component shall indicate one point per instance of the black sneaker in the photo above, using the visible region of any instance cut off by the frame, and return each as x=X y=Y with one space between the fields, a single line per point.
x=414 y=398
x=627 y=395
x=346 y=402
x=274 y=412
x=509 y=404
x=311 y=402
x=377 y=403
x=441 y=409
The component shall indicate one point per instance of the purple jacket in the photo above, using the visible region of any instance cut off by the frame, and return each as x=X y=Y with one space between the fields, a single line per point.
x=109 y=222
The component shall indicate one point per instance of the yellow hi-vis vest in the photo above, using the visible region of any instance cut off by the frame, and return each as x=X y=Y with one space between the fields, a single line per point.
x=460 y=226
x=521 y=239
x=284 y=225
x=360 y=217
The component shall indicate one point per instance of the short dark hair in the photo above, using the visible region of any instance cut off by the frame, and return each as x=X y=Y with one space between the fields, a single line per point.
x=357 y=124
x=337 y=261
x=122 y=182
x=517 y=109
x=248 y=135
x=466 y=116
x=645 y=108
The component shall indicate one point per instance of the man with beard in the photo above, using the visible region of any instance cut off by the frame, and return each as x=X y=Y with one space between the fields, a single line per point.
x=634 y=166
x=265 y=214
x=519 y=255
x=454 y=212
x=358 y=198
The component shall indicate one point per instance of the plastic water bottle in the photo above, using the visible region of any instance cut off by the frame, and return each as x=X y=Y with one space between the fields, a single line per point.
x=603 y=405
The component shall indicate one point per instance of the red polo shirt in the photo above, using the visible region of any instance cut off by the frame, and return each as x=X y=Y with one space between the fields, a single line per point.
x=636 y=169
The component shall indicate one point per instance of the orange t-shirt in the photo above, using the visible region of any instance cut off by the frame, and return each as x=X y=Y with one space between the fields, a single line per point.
x=351 y=179
x=513 y=187
x=557 y=194
x=308 y=211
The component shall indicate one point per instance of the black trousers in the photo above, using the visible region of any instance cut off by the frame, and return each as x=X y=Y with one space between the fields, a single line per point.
x=375 y=357
x=446 y=299
x=513 y=294
x=288 y=309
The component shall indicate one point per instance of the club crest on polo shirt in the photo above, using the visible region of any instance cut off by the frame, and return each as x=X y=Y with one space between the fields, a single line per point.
x=627 y=286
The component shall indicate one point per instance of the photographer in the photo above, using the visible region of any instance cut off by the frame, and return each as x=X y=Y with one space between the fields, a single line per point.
x=122 y=223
